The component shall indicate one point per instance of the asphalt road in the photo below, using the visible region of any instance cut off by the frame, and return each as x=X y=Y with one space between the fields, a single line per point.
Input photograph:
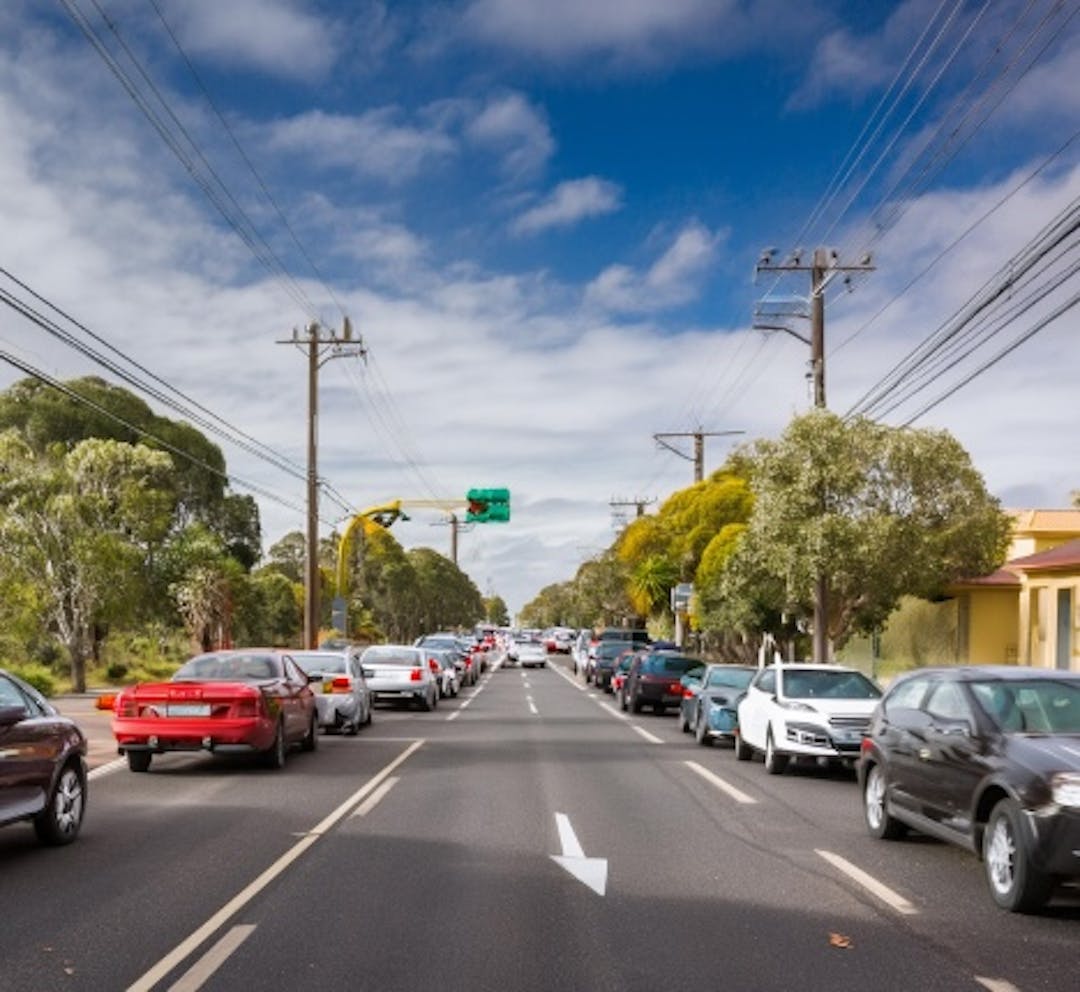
x=420 y=855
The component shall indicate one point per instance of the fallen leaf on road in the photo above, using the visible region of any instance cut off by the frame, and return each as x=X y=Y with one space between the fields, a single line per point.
x=839 y=940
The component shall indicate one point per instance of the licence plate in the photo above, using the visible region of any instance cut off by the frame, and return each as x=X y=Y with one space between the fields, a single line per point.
x=188 y=709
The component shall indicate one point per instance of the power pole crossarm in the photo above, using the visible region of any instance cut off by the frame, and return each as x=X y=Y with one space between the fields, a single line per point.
x=698 y=457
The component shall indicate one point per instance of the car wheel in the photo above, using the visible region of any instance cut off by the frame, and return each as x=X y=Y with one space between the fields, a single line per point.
x=1014 y=883
x=684 y=724
x=275 y=756
x=139 y=761
x=775 y=763
x=310 y=740
x=352 y=728
x=878 y=821
x=426 y=704
x=58 y=823
x=636 y=704
x=743 y=751
x=701 y=731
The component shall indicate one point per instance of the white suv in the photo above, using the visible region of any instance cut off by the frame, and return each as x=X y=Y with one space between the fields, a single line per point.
x=818 y=711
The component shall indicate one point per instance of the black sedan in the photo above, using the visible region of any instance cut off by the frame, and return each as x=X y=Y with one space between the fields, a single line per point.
x=42 y=764
x=986 y=757
x=654 y=680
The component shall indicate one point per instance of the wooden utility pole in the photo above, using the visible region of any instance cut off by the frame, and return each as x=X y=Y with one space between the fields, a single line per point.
x=823 y=267
x=698 y=457
x=321 y=346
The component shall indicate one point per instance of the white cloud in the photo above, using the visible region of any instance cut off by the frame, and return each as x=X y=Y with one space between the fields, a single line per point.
x=671 y=280
x=376 y=143
x=517 y=131
x=570 y=202
x=278 y=37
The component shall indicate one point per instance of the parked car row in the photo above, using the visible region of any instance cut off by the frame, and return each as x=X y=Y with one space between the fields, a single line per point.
x=986 y=757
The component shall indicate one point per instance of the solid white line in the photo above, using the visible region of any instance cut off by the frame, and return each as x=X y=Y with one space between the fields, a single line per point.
x=569 y=678
x=234 y=905
x=651 y=738
x=198 y=974
x=614 y=712
x=454 y=715
x=107 y=769
x=376 y=797
x=532 y=706
x=737 y=794
x=571 y=848
x=996 y=984
x=868 y=882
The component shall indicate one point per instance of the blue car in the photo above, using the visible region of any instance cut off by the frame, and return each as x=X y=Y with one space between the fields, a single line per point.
x=709 y=700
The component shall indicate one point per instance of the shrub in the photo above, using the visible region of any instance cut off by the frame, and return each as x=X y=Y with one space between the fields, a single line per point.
x=39 y=676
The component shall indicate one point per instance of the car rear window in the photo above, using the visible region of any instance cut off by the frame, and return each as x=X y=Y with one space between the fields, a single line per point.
x=322 y=664
x=390 y=656
x=736 y=678
x=229 y=668
x=659 y=664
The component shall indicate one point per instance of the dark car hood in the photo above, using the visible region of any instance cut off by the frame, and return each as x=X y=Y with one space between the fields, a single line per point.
x=1046 y=753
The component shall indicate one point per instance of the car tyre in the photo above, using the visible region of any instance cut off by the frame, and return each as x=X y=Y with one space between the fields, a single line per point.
x=426 y=703
x=775 y=763
x=59 y=822
x=875 y=807
x=1015 y=884
x=274 y=757
x=139 y=761
x=636 y=705
x=310 y=740
x=684 y=724
x=701 y=732
x=743 y=751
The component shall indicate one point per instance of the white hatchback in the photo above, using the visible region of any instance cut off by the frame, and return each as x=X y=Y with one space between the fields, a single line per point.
x=396 y=671
x=805 y=710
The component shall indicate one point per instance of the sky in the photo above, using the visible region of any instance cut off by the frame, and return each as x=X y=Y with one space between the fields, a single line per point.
x=545 y=222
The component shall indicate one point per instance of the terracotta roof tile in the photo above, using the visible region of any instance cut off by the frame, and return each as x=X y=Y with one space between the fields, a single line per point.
x=1062 y=558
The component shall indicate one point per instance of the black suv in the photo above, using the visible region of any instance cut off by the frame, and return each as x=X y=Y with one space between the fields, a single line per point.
x=986 y=757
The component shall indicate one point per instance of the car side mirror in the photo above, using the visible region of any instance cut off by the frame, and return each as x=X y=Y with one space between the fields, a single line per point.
x=10 y=715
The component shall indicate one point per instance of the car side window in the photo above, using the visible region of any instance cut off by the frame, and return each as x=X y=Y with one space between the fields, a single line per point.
x=947 y=702
x=767 y=682
x=908 y=695
x=10 y=695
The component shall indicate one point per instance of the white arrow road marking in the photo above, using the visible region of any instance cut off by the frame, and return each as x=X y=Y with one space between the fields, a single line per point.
x=591 y=871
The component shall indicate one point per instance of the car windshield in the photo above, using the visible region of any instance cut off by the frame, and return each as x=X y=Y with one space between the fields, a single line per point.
x=822 y=684
x=228 y=668
x=735 y=678
x=660 y=664
x=323 y=663
x=386 y=655
x=1041 y=706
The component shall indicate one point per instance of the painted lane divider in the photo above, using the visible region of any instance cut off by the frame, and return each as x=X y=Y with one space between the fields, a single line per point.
x=591 y=871
x=737 y=794
x=532 y=706
x=868 y=882
x=199 y=973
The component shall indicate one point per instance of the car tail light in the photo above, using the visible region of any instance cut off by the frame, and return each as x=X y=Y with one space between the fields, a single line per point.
x=416 y=675
x=126 y=706
x=343 y=683
x=676 y=688
x=687 y=694
x=433 y=665
x=247 y=707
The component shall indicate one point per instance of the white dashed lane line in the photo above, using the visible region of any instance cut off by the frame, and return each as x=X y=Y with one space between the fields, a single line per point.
x=888 y=896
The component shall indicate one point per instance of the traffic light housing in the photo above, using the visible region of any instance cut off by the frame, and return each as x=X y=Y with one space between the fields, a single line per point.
x=487 y=506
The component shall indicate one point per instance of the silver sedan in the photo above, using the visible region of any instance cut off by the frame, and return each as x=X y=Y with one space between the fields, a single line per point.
x=342 y=697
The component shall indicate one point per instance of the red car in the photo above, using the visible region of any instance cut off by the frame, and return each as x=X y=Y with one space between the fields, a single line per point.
x=253 y=701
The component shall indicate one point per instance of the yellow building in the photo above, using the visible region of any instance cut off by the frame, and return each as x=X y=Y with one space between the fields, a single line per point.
x=1028 y=611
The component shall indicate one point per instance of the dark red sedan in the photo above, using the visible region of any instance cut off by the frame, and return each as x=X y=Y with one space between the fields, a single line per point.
x=42 y=764
x=252 y=701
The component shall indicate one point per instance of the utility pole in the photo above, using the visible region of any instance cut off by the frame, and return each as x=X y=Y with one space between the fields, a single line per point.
x=321 y=346
x=698 y=457
x=824 y=266
x=639 y=504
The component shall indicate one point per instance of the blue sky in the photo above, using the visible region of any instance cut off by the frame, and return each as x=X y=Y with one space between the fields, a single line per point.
x=544 y=219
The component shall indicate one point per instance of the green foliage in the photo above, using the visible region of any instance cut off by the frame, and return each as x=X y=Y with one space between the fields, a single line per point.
x=880 y=512
x=496 y=612
x=287 y=556
x=39 y=676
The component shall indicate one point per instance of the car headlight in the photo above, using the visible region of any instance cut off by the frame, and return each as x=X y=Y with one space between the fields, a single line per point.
x=791 y=704
x=1065 y=787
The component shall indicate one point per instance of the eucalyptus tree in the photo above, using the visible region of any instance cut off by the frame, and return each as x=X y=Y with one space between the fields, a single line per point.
x=75 y=526
x=879 y=511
